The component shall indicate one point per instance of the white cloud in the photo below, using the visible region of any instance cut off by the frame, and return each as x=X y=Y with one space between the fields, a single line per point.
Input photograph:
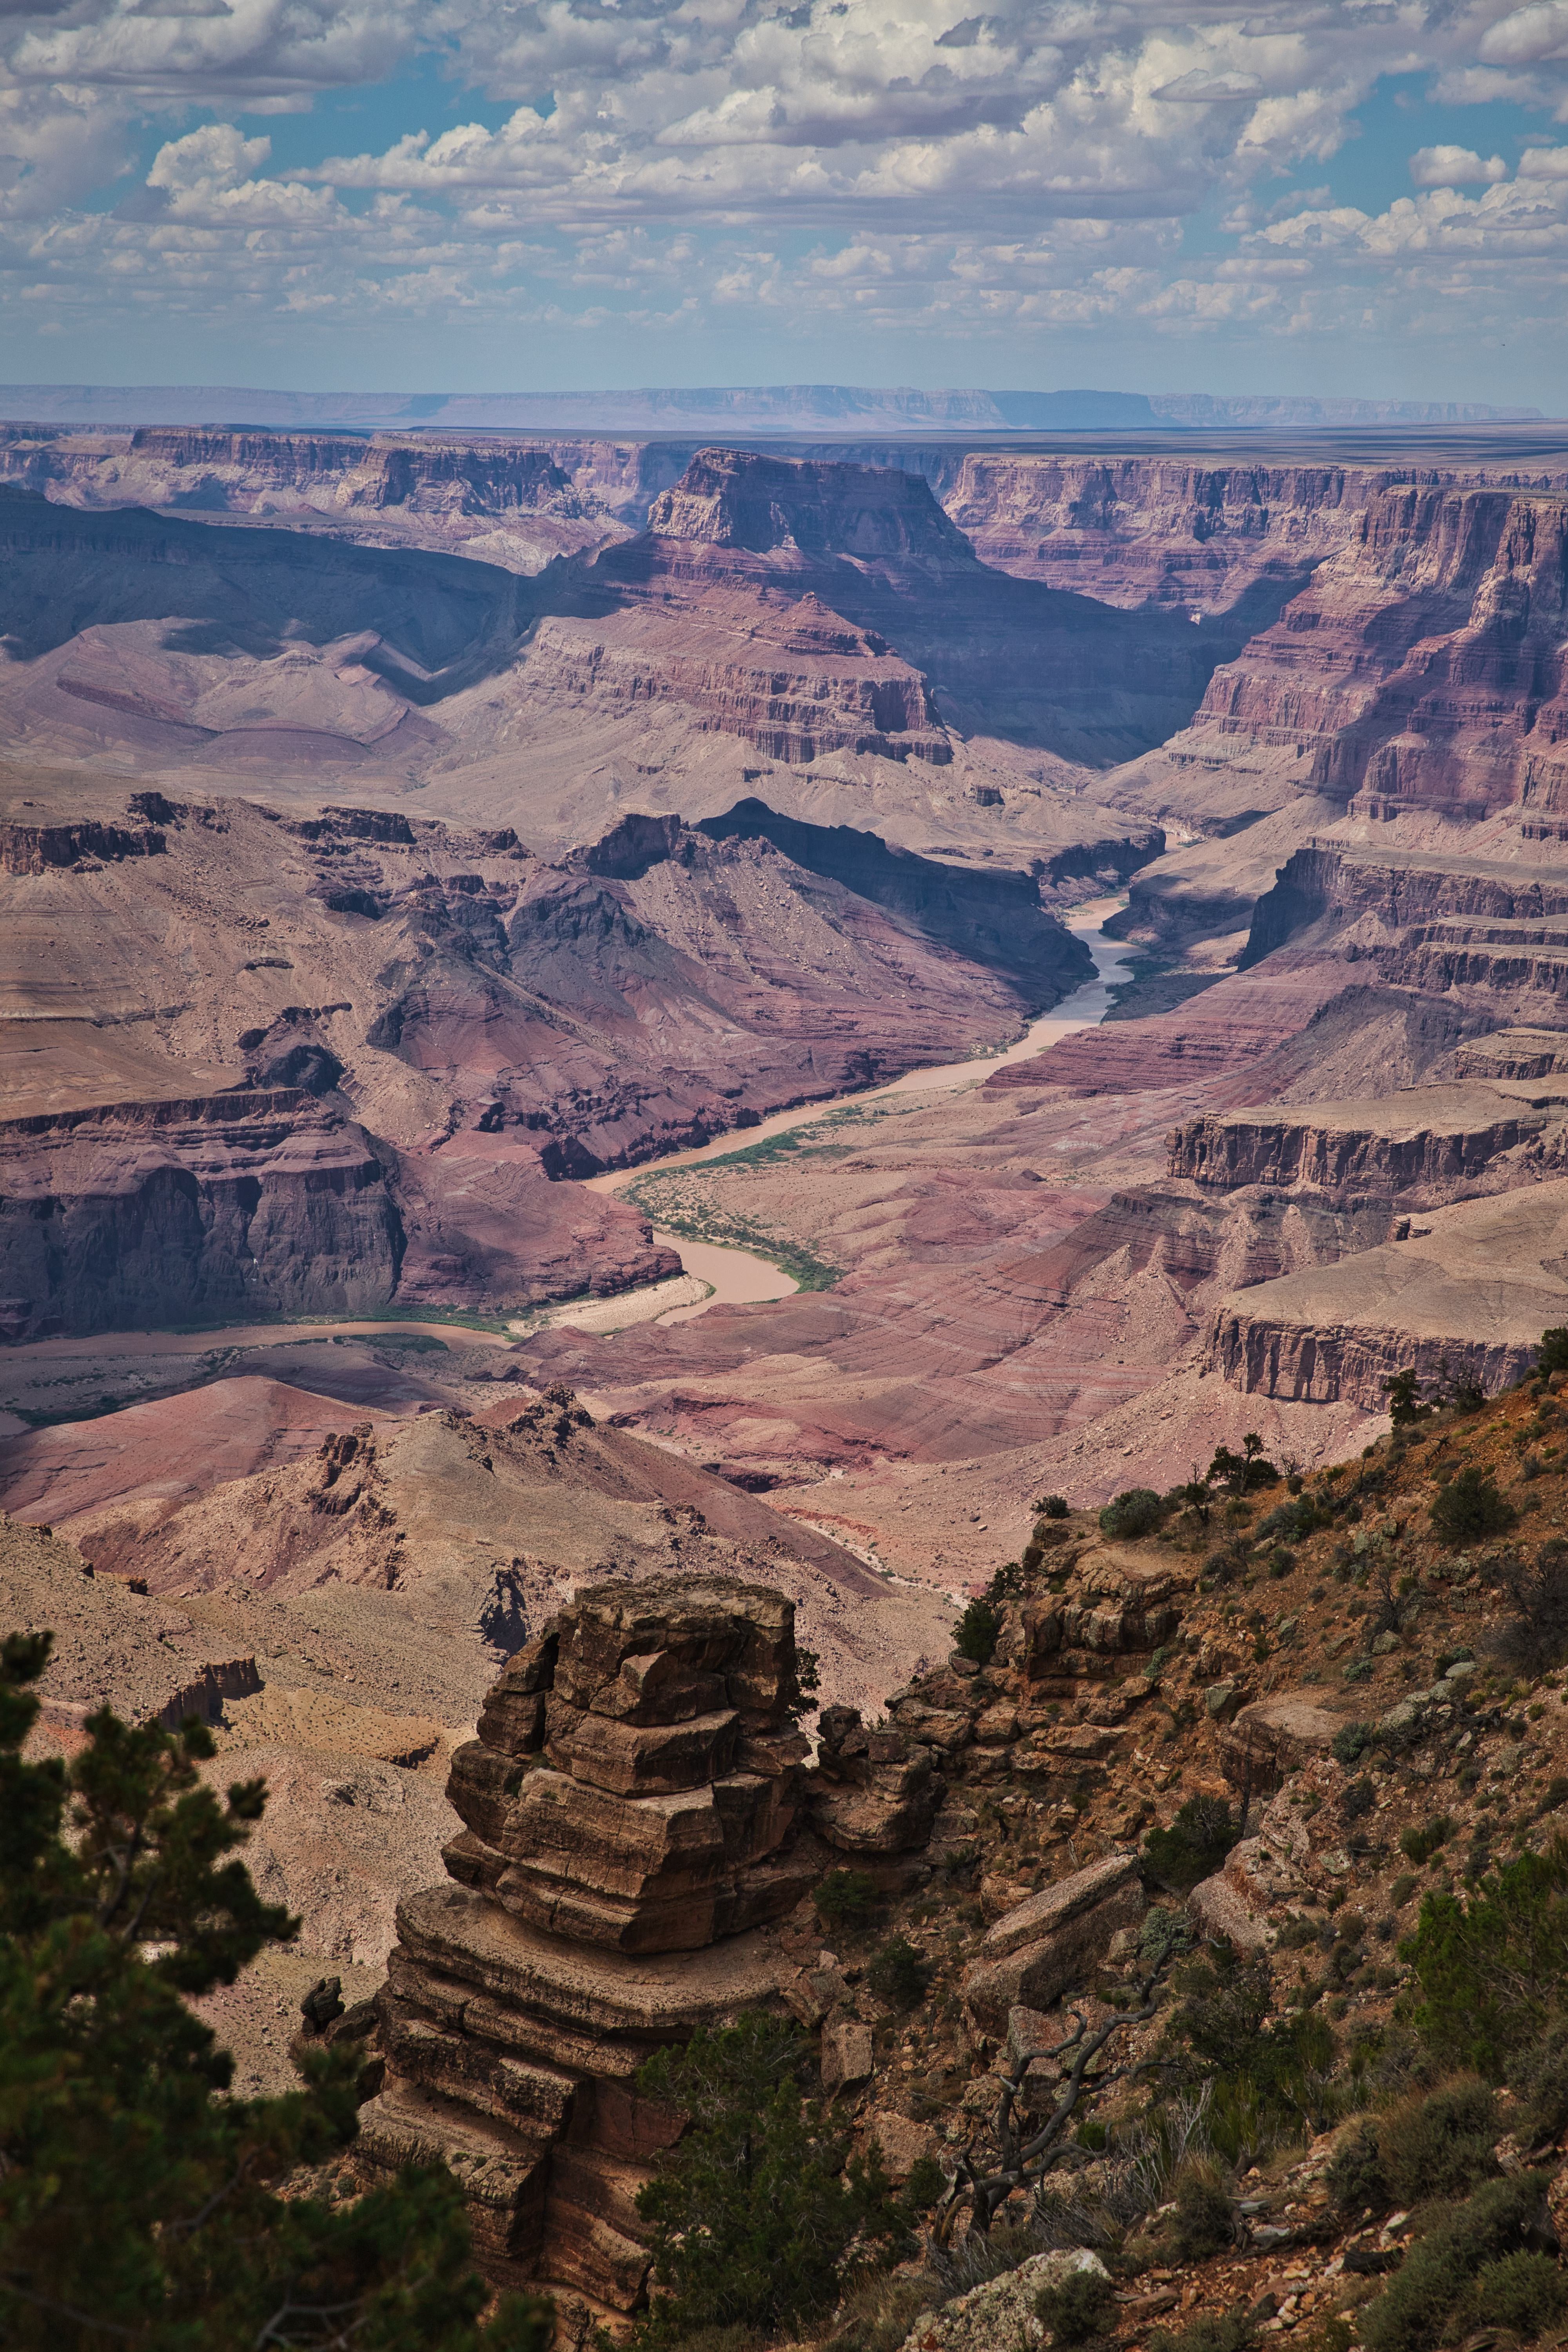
x=1453 y=167
x=1030 y=166
x=1527 y=35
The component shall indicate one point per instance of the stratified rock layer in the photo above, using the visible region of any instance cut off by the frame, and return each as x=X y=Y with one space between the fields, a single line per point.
x=632 y=1808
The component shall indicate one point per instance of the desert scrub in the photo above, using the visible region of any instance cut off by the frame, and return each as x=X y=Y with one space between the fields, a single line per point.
x=1231 y=2331
x=1130 y=1516
x=1082 y=2306
x=1424 y=2146
x=1449 y=2262
x=1204 y=2222
x=847 y=1898
x=1194 y=1845
x=1469 y=1509
x=1489 y=1965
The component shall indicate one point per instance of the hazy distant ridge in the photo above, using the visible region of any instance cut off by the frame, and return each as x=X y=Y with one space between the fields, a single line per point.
x=784 y=409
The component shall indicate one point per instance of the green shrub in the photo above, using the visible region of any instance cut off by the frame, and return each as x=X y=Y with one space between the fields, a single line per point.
x=1202 y=2221
x=1523 y=2292
x=1232 y=2331
x=1350 y=1742
x=879 y=2311
x=1052 y=1507
x=1133 y=1515
x=754 y=2208
x=1534 y=1634
x=974 y=1635
x=143 y=2203
x=897 y=1975
x=1469 y=1509
x=1194 y=1845
x=1357 y=2182
x=1538 y=2075
x=1293 y=1522
x=1459 y=2241
x=1488 y=1965
x=1554 y=1355
x=1080 y=2308
x=1440 y=2145
x=1358 y=1800
x=1419 y=1846
x=1265 y=2074
x=847 y=1898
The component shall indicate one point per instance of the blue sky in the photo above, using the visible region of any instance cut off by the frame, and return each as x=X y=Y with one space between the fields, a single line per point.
x=1298 y=196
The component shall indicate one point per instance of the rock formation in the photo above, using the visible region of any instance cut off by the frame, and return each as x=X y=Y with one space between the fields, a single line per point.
x=1469 y=1293
x=874 y=553
x=632 y=1811
x=316 y=1061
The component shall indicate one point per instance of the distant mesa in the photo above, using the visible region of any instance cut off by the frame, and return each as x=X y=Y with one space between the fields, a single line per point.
x=778 y=408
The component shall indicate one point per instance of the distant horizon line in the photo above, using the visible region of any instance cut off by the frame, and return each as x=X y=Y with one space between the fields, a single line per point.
x=783 y=409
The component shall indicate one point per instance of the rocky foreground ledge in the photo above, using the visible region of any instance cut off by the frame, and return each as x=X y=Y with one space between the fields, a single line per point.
x=1322 y=1664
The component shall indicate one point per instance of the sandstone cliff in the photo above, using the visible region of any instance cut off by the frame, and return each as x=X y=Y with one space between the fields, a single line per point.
x=310 y=1063
x=631 y=1810
x=1420 y=668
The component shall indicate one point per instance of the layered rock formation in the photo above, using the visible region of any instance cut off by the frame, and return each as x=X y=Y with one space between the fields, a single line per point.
x=211 y=1209
x=1133 y=530
x=1466 y=1295
x=632 y=1808
x=1420 y=669
x=317 y=1062
x=1417 y=1149
x=517 y=503
x=1004 y=656
x=795 y=680
x=1492 y=934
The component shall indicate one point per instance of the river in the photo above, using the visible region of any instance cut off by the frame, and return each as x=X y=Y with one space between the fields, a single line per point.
x=738 y=1277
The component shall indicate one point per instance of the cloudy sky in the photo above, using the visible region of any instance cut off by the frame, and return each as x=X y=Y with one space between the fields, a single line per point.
x=1312 y=195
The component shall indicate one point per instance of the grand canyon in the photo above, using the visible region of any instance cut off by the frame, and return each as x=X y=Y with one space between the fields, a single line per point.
x=616 y=1050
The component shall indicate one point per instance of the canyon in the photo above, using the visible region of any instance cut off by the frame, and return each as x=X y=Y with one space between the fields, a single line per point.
x=443 y=878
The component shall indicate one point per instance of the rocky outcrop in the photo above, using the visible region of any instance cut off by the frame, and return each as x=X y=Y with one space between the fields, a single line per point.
x=632 y=1808
x=1423 y=1146
x=1422 y=667
x=1135 y=531
x=877 y=1791
x=1325 y=890
x=1034 y=1953
x=743 y=532
x=519 y=503
x=209 y=1208
x=33 y=848
x=1471 y=1291
x=798 y=684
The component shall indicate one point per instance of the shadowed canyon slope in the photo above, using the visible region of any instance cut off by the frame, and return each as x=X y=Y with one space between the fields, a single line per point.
x=263 y=1064
x=395 y=834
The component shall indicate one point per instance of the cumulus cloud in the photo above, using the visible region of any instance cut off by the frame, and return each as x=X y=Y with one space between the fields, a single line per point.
x=1453 y=167
x=1527 y=35
x=1030 y=165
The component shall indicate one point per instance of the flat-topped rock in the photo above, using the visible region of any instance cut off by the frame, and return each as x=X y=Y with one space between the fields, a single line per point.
x=631 y=1808
x=1038 y=1951
x=1477 y=1287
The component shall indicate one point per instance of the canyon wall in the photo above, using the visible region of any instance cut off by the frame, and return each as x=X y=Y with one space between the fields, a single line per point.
x=265 y=1064
x=1421 y=668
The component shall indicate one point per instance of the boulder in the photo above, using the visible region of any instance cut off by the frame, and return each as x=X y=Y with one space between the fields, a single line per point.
x=1275 y=1736
x=902 y=2144
x=847 y=2054
x=1000 y=2316
x=606 y=1891
x=1035 y=1952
